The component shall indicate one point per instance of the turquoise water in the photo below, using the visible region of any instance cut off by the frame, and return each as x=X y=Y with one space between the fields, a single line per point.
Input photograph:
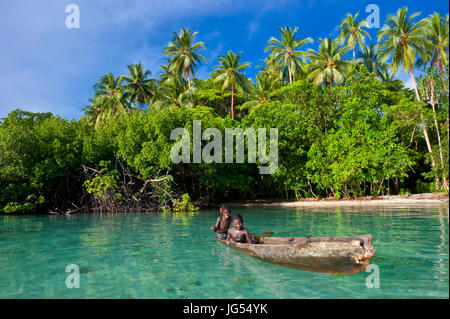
x=176 y=255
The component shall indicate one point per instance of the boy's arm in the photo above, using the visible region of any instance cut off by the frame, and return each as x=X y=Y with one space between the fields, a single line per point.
x=214 y=228
x=228 y=235
x=247 y=236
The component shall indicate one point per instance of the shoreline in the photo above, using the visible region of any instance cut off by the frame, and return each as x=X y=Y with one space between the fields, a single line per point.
x=429 y=199
x=440 y=200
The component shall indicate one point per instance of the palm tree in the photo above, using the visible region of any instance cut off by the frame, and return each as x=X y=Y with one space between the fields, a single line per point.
x=182 y=48
x=91 y=114
x=260 y=91
x=286 y=50
x=272 y=68
x=176 y=92
x=138 y=86
x=167 y=75
x=303 y=72
x=427 y=86
x=108 y=98
x=228 y=74
x=372 y=58
x=327 y=65
x=351 y=32
x=436 y=32
x=385 y=75
x=404 y=40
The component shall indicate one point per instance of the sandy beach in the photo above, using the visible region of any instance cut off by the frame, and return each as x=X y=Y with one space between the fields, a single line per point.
x=429 y=199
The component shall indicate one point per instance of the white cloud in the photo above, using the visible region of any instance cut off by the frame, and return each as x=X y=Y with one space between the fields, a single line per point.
x=409 y=83
x=252 y=29
x=211 y=35
x=406 y=78
x=49 y=68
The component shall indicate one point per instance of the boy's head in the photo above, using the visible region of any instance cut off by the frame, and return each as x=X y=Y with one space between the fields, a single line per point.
x=237 y=221
x=225 y=210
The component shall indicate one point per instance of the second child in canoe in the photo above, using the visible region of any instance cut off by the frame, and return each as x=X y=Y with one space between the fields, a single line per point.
x=239 y=233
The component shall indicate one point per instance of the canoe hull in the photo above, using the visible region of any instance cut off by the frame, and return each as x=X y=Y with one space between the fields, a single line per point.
x=339 y=255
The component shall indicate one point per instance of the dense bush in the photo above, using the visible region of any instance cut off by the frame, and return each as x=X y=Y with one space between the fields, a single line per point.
x=348 y=140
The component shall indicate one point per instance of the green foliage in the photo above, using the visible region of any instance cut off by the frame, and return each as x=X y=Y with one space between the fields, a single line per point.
x=184 y=205
x=104 y=186
x=343 y=131
x=362 y=145
x=425 y=187
x=38 y=152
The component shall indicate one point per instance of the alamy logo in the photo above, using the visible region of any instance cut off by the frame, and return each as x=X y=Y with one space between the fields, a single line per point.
x=373 y=19
x=73 y=280
x=212 y=152
x=73 y=19
x=373 y=280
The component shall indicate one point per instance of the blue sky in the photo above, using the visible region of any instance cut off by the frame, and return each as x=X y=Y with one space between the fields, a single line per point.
x=46 y=67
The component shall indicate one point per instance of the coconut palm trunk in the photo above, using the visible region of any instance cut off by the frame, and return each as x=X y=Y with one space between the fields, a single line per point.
x=432 y=101
x=186 y=73
x=290 y=75
x=232 y=101
x=425 y=131
x=228 y=74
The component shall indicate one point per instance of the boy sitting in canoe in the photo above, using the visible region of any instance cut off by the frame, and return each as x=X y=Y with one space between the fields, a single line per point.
x=239 y=233
x=223 y=223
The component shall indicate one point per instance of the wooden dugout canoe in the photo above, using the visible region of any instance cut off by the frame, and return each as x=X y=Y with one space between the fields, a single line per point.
x=338 y=255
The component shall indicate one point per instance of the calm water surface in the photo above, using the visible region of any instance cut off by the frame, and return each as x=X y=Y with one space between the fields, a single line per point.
x=176 y=255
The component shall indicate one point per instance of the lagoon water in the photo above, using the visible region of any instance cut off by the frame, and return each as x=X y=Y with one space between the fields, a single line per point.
x=176 y=256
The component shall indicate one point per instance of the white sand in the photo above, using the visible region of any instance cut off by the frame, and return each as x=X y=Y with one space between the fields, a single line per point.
x=432 y=199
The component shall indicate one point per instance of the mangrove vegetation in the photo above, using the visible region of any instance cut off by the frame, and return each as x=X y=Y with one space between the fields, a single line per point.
x=346 y=126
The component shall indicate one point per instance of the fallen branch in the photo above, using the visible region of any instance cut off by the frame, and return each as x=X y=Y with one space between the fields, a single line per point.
x=153 y=180
x=70 y=211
